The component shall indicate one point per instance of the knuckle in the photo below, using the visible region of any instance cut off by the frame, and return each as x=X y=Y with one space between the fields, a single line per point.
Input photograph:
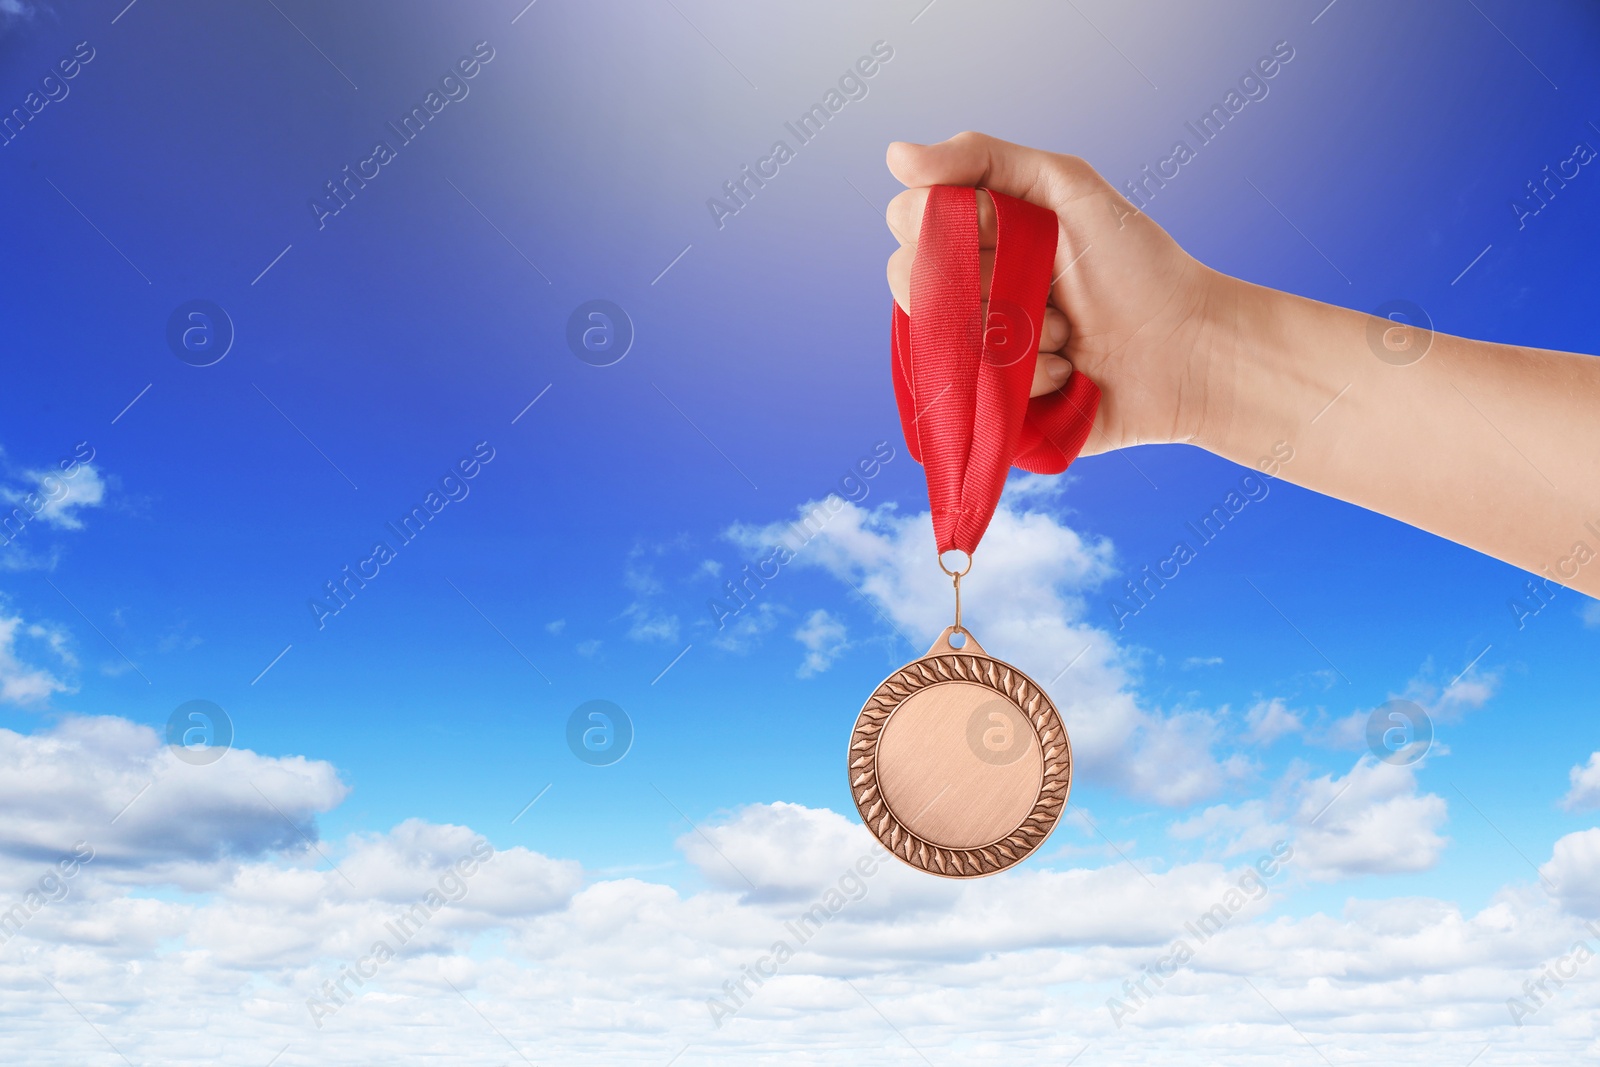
x=1071 y=168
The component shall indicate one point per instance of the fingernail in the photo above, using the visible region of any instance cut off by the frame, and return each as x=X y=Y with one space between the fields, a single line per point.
x=1058 y=371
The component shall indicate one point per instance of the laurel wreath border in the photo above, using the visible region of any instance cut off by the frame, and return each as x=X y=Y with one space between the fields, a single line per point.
x=1035 y=706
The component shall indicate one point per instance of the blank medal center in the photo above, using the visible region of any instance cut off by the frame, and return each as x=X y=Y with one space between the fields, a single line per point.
x=959 y=765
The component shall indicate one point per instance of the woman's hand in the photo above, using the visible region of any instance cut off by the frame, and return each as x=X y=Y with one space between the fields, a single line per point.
x=1128 y=307
x=1493 y=446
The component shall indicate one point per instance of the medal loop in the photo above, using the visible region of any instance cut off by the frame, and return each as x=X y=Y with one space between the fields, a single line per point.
x=963 y=366
x=955 y=577
x=958 y=627
x=956 y=574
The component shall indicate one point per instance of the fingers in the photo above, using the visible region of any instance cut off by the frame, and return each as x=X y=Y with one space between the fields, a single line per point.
x=900 y=275
x=1053 y=337
x=1049 y=374
x=1043 y=178
x=978 y=159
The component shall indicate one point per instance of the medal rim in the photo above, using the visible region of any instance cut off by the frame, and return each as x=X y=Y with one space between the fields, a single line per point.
x=974 y=862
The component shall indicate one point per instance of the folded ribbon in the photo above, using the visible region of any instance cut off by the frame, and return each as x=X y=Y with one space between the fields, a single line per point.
x=962 y=377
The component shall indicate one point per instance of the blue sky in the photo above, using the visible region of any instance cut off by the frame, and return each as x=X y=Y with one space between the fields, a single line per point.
x=377 y=348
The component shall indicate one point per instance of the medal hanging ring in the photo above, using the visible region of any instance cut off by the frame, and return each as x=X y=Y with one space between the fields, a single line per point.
x=955 y=579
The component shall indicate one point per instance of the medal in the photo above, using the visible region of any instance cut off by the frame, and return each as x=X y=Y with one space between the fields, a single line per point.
x=959 y=763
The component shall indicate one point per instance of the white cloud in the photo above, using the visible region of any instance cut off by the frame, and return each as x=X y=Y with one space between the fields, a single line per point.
x=785 y=854
x=1374 y=820
x=781 y=851
x=49 y=498
x=1027 y=600
x=178 y=639
x=84 y=489
x=14 y=11
x=1441 y=703
x=54 y=498
x=1233 y=829
x=648 y=624
x=824 y=638
x=1371 y=821
x=1347 y=733
x=1468 y=692
x=647 y=621
x=58 y=641
x=15 y=557
x=1573 y=872
x=747 y=628
x=21 y=682
x=147 y=814
x=1584 y=793
x=1269 y=720
x=401 y=865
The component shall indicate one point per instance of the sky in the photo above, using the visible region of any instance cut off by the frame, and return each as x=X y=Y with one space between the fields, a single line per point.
x=411 y=343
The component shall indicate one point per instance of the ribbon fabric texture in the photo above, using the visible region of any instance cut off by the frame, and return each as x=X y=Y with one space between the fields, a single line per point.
x=962 y=377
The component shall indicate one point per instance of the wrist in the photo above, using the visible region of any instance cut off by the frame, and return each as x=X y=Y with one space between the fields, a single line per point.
x=1264 y=378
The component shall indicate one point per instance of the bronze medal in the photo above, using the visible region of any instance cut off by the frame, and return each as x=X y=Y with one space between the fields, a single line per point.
x=959 y=763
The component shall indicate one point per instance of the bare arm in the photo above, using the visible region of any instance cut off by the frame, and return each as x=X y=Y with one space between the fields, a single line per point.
x=1492 y=446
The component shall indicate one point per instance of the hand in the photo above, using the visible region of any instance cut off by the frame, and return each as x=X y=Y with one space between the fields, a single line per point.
x=1493 y=446
x=1129 y=307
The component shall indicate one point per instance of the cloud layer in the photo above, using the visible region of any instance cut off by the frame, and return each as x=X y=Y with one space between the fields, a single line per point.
x=206 y=928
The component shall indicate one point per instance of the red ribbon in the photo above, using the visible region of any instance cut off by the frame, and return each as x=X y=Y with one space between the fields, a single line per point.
x=961 y=379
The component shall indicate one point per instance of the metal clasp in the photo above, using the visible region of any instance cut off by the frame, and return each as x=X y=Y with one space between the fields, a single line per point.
x=955 y=578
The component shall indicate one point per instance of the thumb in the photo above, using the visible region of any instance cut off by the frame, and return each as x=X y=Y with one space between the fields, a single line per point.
x=978 y=159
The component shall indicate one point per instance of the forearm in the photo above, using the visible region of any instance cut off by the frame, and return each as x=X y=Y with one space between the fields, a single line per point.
x=1491 y=446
